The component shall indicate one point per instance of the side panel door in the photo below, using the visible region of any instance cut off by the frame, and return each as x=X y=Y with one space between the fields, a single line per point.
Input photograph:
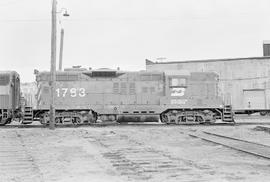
x=254 y=99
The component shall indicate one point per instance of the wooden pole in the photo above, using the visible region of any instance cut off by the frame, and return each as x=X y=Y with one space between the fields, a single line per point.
x=53 y=65
x=61 y=49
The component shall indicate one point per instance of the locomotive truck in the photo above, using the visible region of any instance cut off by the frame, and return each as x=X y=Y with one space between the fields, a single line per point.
x=89 y=96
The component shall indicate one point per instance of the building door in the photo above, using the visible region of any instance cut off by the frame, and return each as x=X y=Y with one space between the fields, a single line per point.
x=254 y=99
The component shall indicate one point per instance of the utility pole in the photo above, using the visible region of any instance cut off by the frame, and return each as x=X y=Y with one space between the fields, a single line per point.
x=53 y=65
x=61 y=49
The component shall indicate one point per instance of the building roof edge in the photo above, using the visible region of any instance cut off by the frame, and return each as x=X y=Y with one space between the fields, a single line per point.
x=149 y=62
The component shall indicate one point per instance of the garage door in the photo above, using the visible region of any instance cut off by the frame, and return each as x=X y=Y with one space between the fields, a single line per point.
x=254 y=99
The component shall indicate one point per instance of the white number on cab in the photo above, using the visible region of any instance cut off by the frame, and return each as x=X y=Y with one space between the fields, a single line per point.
x=72 y=92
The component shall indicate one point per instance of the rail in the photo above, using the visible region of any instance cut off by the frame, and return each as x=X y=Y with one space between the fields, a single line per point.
x=249 y=147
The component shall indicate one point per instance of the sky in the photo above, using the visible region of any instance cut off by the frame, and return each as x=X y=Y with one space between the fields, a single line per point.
x=123 y=33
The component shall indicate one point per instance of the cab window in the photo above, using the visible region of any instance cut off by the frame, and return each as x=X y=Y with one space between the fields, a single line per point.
x=178 y=82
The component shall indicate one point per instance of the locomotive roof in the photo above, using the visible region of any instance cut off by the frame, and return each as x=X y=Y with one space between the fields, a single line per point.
x=9 y=72
x=120 y=72
x=68 y=71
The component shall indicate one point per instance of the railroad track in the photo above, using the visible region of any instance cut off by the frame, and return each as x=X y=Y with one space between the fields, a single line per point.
x=16 y=162
x=249 y=147
x=139 y=162
x=132 y=124
x=115 y=124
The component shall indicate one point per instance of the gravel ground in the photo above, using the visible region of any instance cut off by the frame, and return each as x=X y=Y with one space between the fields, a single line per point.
x=128 y=153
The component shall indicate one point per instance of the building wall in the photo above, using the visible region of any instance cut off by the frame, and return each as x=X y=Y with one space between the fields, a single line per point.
x=236 y=77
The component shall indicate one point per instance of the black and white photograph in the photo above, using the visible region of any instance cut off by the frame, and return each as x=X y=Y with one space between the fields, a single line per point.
x=134 y=91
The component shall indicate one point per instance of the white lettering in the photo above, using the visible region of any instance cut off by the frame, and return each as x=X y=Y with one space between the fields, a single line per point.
x=72 y=92
x=82 y=92
x=178 y=101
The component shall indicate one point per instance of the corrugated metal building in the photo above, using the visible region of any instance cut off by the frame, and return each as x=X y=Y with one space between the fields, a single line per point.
x=245 y=82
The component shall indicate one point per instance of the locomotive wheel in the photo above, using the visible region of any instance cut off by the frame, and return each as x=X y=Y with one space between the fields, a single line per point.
x=76 y=120
x=199 y=119
x=45 y=120
x=180 y=119
x=164 y=119
x=210 y=121
x=263 y=113
x=3 y=121
x=58 y=120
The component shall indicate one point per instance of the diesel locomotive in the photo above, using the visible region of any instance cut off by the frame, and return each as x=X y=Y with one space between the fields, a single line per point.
x=104 y=95
x=9 y=96
x=90 y=96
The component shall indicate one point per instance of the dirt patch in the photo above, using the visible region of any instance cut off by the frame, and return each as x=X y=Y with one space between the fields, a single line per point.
x=128 y=153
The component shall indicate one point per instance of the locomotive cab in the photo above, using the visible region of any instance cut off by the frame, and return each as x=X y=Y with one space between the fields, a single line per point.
x=177 y=84
x=191 y=98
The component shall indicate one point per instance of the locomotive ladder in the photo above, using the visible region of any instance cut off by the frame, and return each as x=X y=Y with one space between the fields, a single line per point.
x=28 y=113
x=4 y=113
x=227 y=113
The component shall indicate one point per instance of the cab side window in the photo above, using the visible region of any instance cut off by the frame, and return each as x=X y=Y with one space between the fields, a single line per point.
x=178 y=82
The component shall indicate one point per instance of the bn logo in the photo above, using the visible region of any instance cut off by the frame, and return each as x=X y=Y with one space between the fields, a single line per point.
x=178 y=92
